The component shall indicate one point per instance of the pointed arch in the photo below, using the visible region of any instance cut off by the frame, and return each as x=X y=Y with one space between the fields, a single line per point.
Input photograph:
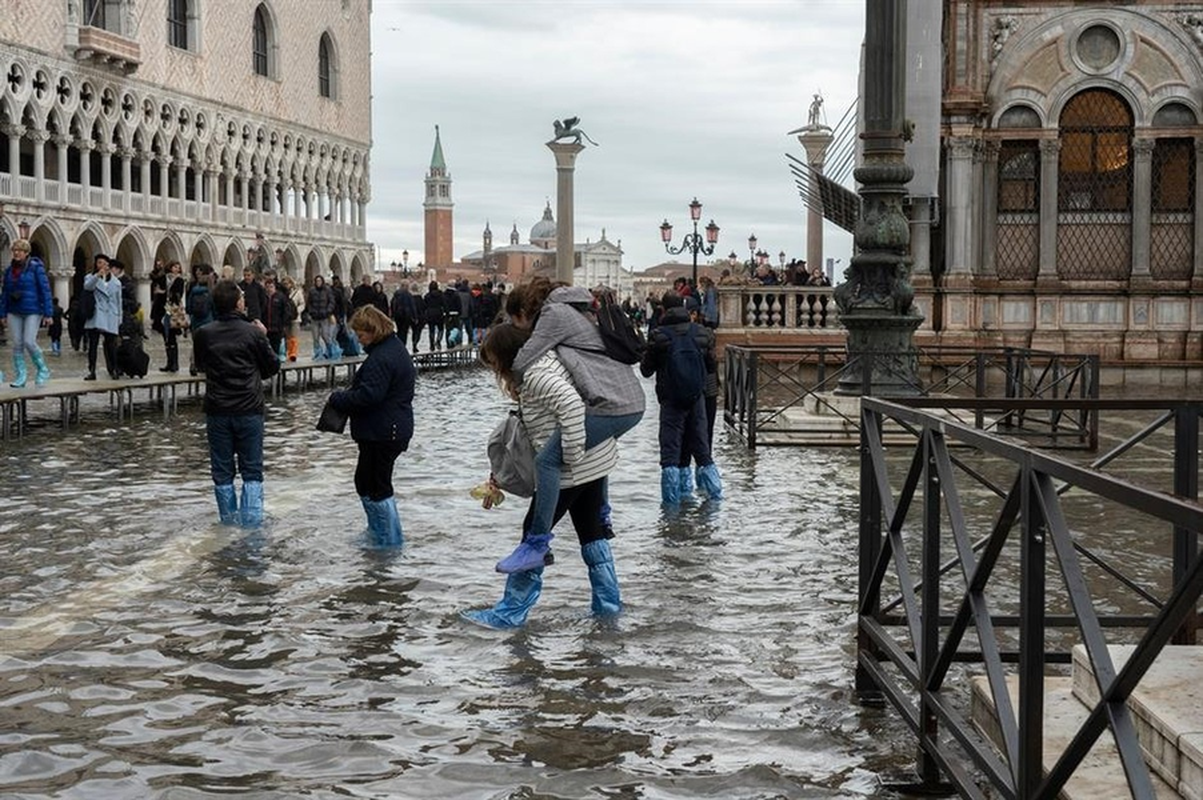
x=133 y=251
x=204 y=251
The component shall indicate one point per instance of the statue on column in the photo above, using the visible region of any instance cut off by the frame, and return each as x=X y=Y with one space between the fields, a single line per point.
x=567 y=129
x=816 y=109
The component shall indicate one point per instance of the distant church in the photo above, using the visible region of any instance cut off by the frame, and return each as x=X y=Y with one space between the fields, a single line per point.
x=595 y=263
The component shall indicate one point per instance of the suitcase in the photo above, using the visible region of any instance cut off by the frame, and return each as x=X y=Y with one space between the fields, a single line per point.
x=131 y=358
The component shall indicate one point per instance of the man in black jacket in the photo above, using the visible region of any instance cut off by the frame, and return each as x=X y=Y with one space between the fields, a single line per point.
x=255 y=296
x=235 y=356
x=681 y=353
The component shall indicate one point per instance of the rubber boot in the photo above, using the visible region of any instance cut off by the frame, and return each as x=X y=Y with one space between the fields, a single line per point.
x=522 y=590
x=291 y=347
x=607 y=601
x=528 y=555
x=709 y=481
x=333 y=351
x=19 y=375
x=43 y=373
x=670 y=486
x=384 y=524
x=281 y=353
x=318 y=352
x=251 y=507
x=227 y=503
x=686 y=482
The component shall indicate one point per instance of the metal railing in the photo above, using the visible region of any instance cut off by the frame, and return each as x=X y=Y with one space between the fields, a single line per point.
x=1020 y=587
x=766 y=389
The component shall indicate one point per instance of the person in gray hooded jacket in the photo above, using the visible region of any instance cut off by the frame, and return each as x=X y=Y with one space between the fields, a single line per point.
x=614 y=403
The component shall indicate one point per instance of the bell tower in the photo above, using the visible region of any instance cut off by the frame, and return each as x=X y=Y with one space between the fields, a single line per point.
x=438 y=208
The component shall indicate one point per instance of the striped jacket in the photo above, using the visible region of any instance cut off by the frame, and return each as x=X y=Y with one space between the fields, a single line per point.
x=548 y=399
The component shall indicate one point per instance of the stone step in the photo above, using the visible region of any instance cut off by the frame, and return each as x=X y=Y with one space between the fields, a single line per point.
x=1168 y=708
x=1100 y=774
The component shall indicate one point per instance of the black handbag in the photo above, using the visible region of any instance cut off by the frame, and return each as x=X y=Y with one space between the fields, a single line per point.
x=332 y=420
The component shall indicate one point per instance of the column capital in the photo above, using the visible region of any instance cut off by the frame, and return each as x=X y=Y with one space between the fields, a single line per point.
x=39 y=136
x=1143 y=148
x=61 y=140
x=13 y=131
x=991 y=148
x=106 y=148
x=1050 y=148
x=84 y=145
x=127 y=152
x=962 y=146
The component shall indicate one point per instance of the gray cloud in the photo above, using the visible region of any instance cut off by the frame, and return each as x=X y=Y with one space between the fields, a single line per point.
x=685 y=99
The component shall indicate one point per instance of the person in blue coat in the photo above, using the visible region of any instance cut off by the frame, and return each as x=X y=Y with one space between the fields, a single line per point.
x=26 y=301
x=379 y=403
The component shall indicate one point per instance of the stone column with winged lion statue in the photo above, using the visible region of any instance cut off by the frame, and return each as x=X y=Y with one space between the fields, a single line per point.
x=565 y=146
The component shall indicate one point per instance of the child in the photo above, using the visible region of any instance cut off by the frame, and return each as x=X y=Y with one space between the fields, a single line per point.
x=56 y=330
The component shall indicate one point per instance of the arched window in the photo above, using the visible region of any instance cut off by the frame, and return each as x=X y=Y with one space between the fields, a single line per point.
x=1016 y=250
x=1094 y=188
x=1171 y=237
x=325 y=66
x=261 y=43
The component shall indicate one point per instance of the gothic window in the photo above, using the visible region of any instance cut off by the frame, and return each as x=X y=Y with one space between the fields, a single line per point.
x=1018 y=176
x=181 y=24
x=261 y=45
x=1171 y=235
x=325 y=66
x=1018 y=232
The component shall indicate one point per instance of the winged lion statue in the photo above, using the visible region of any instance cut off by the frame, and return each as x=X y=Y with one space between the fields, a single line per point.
x=567 y=129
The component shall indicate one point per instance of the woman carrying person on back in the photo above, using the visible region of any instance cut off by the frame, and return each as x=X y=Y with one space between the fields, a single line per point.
x=550 y=404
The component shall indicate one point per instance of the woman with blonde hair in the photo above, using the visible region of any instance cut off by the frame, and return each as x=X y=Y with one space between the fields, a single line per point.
x=380 y=405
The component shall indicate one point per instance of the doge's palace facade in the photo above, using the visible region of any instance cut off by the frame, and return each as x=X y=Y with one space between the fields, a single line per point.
x=186 y=130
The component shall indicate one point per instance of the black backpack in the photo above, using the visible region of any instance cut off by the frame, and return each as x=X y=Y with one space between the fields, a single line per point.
x=622 y=340
x=290 y=309
x=685 y=367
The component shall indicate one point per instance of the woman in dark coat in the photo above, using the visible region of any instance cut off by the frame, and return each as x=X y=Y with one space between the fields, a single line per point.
x=380 y=405
x=435 y=312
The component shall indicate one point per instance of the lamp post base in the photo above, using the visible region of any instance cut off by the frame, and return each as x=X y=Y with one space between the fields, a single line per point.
x=882 y=343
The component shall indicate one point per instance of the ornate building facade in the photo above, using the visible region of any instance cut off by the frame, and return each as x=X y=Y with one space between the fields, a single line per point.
x=190 y=131
x=1069 y=216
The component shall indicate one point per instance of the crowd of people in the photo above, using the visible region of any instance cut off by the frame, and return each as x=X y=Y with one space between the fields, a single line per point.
x=547 y=344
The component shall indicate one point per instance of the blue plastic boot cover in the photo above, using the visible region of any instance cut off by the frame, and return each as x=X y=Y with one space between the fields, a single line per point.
x=607 y=600
x=18 y=370
x=227 y=503
x=670 y=486
x=333 y=351
x=686 y=482
x=710 y=482
x=43 y=373
x=527 y=555
x=522 y=590
x=384 y=523
x=251 y=507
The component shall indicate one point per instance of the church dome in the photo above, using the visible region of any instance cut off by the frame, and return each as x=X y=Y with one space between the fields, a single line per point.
x=545 y=229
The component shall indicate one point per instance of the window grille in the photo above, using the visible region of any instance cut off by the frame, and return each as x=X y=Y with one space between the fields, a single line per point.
x=1018 y=229
x=1171 y=244
x=1094 y=188
x=259 y=46
x=177 y=23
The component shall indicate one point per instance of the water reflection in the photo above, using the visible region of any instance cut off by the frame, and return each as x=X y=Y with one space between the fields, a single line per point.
x=146 y=651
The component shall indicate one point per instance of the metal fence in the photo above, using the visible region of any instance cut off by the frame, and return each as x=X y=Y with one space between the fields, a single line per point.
x=779 y=394
x=951 y=587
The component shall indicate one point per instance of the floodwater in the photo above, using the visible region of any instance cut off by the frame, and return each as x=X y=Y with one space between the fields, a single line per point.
x=147 y=652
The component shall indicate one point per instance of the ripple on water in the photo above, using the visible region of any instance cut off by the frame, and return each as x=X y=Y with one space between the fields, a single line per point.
x=150 y=652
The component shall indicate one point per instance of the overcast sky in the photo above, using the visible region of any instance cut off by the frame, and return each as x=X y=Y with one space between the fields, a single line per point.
x=685 y=98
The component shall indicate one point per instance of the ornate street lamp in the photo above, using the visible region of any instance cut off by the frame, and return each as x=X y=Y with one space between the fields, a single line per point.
x=23 y=229
x=405 y=261
x=693 y=241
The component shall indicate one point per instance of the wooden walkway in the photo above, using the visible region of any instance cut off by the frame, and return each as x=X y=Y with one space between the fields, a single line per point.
x=165 y=389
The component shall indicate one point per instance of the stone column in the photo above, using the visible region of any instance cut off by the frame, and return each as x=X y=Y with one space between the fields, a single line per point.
x=39 y=164
x=565 y=155
x=85 y=171
x=986 y=245
x=271 y=201
x=181 y=180
x=230 y=195
x=1197 y=272
x=815 y=139
x=164 y=180
x=876 y=300
x=211 y=182
x=106 y=174
x=14 y=134
x=127 y=154
x=144 y=167
x=1142 y=206
x=297 y=201
x=62 y=146
x=958 y=206
x=244 y=179
x=1050 y=163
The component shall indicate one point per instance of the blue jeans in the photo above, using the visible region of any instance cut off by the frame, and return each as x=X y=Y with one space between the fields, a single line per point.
x=549 y=458
x=24 y=330
x=235 y=436
x=683 y=433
